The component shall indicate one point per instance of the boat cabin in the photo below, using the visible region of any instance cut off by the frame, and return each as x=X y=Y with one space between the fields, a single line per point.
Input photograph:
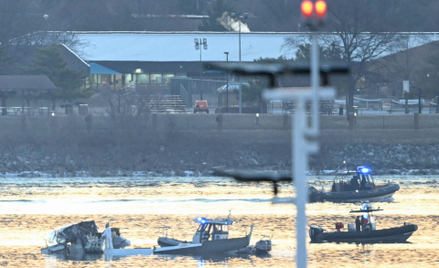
x=361 y=180
x=211 y=229
x=367 y=220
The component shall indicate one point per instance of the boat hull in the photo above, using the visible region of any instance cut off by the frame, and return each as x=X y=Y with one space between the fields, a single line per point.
x=391 y=235
x=206 y=247
x=373 y=195
x=169 y=242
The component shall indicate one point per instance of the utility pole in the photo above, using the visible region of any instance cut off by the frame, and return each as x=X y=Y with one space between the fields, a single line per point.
x=227 y=83
x=240 y=17
x=198 y=43
x=304 y=138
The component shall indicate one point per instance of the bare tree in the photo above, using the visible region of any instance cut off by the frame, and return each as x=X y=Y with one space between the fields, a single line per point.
x=350 y=32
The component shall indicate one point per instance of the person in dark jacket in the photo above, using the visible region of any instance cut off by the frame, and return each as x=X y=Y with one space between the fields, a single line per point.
x=363 y=182
x=358 y=223
x=354 y=183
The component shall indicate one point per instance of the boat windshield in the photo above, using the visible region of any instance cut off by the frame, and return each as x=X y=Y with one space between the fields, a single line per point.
x=221 y=229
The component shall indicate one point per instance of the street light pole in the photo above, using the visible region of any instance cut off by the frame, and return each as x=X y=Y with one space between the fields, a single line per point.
x=227 y=85
x=239 y=40
x=239 y=17
x=198 y=43
x=419 y=98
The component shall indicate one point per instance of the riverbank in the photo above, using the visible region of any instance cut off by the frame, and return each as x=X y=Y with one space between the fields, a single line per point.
x=179 y=153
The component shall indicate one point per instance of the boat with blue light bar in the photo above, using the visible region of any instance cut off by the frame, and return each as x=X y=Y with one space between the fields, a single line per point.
x=357 y=189
x=363 y=231
x=211 y=237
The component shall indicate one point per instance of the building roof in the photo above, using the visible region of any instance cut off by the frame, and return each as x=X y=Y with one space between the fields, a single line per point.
x=231 y=87
x=99 y=69
x=180 y=47
x=407 y=62
x=26 y=83
x=20 y=59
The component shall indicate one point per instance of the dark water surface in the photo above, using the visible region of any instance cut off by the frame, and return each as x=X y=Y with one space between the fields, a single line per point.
x=30 y=207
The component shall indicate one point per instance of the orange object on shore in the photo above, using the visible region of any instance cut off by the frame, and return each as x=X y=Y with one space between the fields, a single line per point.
x=201 y=106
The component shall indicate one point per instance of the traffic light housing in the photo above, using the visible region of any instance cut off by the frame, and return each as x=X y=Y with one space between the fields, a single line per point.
x=320 y=7
x=307 y=8
x=314 y=13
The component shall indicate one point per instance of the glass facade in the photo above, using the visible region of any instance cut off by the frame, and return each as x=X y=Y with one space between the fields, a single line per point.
x=167 y=78
x=156 y=78
x=142 y=78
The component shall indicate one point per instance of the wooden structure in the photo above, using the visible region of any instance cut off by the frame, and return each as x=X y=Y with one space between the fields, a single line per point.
x=24 y=83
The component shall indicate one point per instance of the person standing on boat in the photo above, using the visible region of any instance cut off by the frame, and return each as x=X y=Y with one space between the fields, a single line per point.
x=354 y=183
x=358 y=223
x=363 y=182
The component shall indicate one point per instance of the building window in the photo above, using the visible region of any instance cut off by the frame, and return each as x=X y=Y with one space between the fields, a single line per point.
x=117 y=80
x=167 y=78
x=128 y=79
x=142 y=78
x=156 y=78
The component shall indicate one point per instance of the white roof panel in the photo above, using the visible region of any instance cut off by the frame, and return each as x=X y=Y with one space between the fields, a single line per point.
x=180 y=46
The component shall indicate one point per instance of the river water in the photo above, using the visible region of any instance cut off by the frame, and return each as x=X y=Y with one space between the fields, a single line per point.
x=30 y=207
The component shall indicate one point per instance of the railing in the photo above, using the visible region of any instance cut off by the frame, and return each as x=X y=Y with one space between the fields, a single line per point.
x=433 y=107
x=27 y=111
x=185 y=96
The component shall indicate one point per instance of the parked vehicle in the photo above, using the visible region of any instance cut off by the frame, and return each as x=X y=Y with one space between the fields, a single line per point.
x=201 y=106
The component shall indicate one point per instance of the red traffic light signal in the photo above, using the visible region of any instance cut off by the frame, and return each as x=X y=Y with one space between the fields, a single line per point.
x=307 y=8
x=321 y=8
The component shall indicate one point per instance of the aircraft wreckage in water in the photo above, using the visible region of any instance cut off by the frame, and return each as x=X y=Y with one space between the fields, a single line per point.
x=82 y=241
x=75 y=240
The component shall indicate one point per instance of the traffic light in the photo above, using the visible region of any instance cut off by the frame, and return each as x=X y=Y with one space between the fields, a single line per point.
x=321 y=8
x=314 y=14
x=307 y=8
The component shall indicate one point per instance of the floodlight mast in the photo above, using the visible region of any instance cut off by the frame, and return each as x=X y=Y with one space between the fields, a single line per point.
x=199 y=45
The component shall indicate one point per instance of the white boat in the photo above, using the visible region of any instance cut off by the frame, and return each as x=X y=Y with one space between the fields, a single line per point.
x=211 y=237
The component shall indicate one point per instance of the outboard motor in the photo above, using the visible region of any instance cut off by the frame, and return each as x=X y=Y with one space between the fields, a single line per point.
x=314 y=232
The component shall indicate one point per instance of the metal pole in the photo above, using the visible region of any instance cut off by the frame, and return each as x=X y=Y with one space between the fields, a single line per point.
x=419 y=104
x=301 y=149
x=300 y=156
x=315 y=84
x=300 y=165
x=201 y=72
x=227 y=85
x=240 y=85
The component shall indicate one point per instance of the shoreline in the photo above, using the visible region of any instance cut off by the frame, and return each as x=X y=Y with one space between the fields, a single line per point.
x=188 y=173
